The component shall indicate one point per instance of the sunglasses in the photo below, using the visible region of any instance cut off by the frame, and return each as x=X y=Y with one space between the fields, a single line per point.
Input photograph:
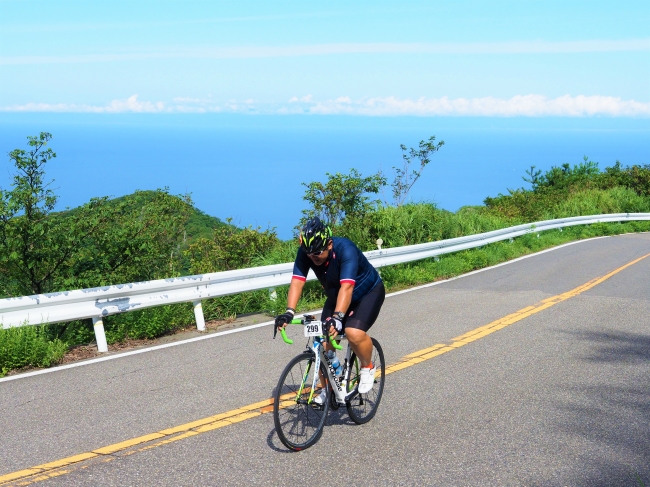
x=317 y=254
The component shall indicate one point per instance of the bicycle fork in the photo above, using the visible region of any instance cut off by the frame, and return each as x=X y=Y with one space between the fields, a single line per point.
x=316 y=365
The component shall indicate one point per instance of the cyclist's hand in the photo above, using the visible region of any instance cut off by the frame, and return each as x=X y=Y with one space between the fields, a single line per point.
x=334 y=325
x=283 y=319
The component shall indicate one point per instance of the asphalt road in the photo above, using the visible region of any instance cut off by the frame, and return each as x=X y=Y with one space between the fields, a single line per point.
x=561 y=397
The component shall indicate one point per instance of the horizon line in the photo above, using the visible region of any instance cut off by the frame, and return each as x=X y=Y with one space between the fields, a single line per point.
x=532 y=105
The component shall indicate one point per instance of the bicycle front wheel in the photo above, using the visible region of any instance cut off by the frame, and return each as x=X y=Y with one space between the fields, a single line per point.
x=299 y=420
x=363 y=407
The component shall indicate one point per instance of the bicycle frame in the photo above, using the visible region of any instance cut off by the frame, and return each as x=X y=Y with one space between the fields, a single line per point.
x=338 y=385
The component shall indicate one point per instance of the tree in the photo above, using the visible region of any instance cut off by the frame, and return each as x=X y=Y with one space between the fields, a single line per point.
x=563 y=177
x=341 y=196
x=25 y=253
x=405 y=178
x=101 y=242
x=533 y=176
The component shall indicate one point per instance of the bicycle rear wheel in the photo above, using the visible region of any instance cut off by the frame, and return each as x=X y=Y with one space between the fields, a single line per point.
x=363 y=407
x=299 y=422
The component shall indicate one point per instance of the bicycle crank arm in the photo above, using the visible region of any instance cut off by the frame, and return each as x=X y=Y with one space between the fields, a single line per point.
x=352 y=395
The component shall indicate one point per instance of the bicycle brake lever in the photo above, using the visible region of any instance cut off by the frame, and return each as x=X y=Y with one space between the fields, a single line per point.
x=331 y=339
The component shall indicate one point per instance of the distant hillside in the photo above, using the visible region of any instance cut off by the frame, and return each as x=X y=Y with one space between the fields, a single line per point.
x=199 y=225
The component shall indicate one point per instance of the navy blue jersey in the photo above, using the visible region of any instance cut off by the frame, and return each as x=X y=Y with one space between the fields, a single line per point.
x=346 y=263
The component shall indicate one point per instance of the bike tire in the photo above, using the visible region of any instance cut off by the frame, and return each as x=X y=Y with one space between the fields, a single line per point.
x=299 y=425
x=363 y=407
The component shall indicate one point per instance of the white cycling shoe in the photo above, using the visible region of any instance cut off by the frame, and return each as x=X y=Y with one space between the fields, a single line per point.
x=366 y=379
x=321 y=398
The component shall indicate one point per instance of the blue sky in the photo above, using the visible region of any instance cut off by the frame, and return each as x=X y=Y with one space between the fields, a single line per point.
x=236 y=102
x=473 y=58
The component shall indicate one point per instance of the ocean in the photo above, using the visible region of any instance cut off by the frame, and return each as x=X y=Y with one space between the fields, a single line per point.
x=250 y=167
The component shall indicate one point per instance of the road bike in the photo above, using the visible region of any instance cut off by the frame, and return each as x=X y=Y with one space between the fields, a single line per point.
x=299 y=419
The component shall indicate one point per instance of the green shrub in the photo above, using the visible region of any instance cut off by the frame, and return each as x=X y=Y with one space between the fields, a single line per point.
x=598 y=201
x=281 y=252
x=477 y=258
x=525 y=206
x=230 y=248
x=634 y=177
x=416 y=223
x=28 y=346
x=77 y=332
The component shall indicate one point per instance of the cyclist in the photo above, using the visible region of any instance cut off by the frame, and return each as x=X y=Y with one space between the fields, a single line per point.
x=354 y=290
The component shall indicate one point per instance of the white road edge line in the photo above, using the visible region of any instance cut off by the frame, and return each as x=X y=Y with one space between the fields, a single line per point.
x=268 y=323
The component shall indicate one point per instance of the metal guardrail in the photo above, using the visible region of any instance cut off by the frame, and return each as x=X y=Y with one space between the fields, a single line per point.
x=99 y=302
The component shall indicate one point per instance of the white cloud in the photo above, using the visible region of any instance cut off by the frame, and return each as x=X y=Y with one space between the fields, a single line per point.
x=517 y=106
x=245 y=52
x=131 y=104
x=304 y=99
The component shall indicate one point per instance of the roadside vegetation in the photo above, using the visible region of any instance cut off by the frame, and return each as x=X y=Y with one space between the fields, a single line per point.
x=153 y=235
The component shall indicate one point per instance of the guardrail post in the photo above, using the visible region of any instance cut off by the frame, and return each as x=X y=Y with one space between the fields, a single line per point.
x=198 y=315
x=100 y=335
x=273 y=295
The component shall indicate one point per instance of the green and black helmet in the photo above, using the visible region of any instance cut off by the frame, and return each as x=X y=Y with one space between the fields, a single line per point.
x=315 y=236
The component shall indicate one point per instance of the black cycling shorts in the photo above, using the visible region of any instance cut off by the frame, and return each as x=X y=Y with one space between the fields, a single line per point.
x=362 y=314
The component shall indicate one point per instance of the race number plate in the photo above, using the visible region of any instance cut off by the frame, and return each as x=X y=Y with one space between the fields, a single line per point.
x=313 y=329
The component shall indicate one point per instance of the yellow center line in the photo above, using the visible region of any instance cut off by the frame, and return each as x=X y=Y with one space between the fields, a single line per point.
x=187 y=430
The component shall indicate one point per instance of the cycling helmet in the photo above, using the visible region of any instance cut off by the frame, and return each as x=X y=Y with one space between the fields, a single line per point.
x=315 y=236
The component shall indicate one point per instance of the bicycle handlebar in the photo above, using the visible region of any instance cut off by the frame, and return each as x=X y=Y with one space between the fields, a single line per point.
x=299 y=321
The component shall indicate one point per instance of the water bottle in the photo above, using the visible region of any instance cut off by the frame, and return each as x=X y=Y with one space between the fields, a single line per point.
x=336 y=363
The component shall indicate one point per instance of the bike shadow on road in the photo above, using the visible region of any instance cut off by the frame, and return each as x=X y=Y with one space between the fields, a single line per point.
x=334 y=418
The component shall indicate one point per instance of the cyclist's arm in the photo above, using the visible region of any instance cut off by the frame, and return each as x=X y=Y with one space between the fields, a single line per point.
x=300 y=270
x=344 y=297
x=343 y=301
x=295 y=290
